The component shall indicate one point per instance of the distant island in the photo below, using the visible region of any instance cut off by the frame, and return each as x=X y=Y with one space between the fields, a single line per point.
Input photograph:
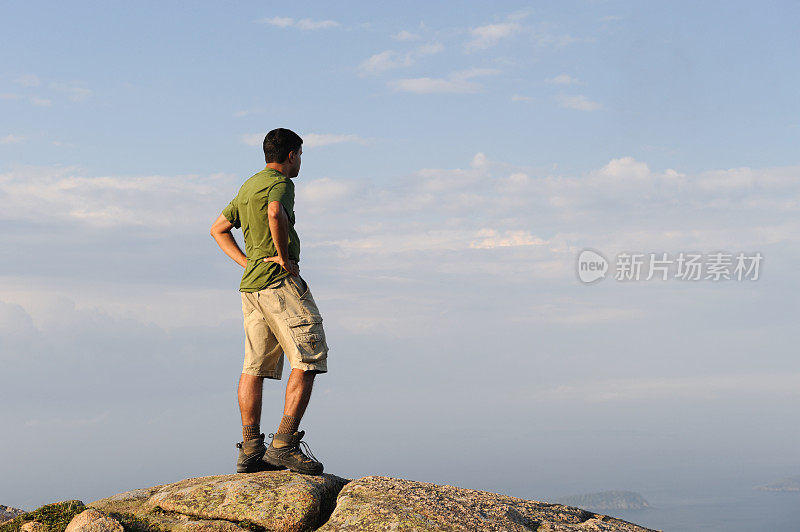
x=607 y=500
x=787 y=484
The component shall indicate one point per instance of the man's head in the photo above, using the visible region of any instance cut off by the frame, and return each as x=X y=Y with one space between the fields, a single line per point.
x=283 y=148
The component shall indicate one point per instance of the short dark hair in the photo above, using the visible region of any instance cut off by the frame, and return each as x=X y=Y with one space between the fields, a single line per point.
x=279 y=142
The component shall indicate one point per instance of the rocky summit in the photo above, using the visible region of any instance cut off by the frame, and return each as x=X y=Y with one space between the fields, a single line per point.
x=285 y=501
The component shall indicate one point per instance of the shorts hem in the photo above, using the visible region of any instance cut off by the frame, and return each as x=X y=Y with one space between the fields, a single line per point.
x=310 y=367
x=270 y=375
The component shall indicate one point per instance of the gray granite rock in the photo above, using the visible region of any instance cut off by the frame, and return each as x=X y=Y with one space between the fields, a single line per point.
x=274 y=500
x=33 y=526
x=286 y=501
x=383 y=503
x=92 y=520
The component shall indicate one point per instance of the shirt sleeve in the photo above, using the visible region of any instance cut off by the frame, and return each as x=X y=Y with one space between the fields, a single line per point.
x=231 y=212
x=283 y=192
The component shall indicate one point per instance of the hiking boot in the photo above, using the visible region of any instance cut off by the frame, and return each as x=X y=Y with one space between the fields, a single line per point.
x=291 y=456
x=251 y=454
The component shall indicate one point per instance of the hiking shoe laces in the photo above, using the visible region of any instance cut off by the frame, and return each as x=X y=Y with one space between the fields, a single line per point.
x=299 y=449
x=296 y=454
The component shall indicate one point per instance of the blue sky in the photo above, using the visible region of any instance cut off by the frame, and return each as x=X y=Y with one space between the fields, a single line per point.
x=457 y=157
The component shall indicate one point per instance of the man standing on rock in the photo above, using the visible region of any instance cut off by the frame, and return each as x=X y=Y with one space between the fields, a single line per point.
x=280 y=315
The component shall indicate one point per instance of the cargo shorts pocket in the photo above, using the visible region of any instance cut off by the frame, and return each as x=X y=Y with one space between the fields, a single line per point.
x=301 y=291
x=309 y=336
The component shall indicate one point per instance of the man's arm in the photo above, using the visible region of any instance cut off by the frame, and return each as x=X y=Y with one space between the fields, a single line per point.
x=221 y=231
x=279 y=228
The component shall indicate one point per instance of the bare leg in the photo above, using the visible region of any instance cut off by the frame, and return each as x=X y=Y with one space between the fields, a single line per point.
x=298 y=392
x=250 y=398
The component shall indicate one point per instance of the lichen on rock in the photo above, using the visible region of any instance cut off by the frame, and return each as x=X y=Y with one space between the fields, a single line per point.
x=384 y=503
x=54 y=517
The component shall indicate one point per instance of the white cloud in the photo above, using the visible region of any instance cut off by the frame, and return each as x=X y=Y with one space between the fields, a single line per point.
x=314 y=140
x=302 y=24
x=61 y=195
x=281 y=22
x=405 y=35
x=40 y=102
x=431 y=48
x=490 y=238
x=308 y=24
x=491 y=34
x=747 y=178
x=324 y=191
x=391 y=59
x=485 y=205
x=434 y=85
x=310 y=140
x=562 y=79
x=623 y=170
x=11 y=139
x=479 y=162
x=457 y=82
x=386 y=60
x=579 y=102
x=252 y=139
x=248 y=112
x=520 y=98
x=76 y=91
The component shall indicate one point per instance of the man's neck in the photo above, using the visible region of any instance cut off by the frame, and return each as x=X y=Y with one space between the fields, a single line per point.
x=279 y=168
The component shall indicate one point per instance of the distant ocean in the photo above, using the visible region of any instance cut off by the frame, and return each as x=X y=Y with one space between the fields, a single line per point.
x=747 y=510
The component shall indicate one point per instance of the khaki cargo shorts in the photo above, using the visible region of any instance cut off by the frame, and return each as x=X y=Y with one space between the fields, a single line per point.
x=283 y=319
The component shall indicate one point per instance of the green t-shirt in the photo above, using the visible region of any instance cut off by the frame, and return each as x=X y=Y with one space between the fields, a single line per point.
x=248 y=210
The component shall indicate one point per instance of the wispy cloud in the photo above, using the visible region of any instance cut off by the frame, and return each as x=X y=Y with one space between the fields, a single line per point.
x=11 y=139
x=40 y=92
x=486 y=205
x=579 y=102
x=301 y=24
x=40 y=102
x=314 y=140
x=252 y=139
x=457 y=82
x=247 y=112
x=521 y=98
x=391 y=59
x=488 y=238
x=28 y=80
x=562 y=79
x=405 y=35
x=325 y=190
x=75 y=90
x=383 y=61
x=489 y=35
x=310 y=140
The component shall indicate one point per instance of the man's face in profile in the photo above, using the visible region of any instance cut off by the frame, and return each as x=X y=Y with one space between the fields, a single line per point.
x=295 y=162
